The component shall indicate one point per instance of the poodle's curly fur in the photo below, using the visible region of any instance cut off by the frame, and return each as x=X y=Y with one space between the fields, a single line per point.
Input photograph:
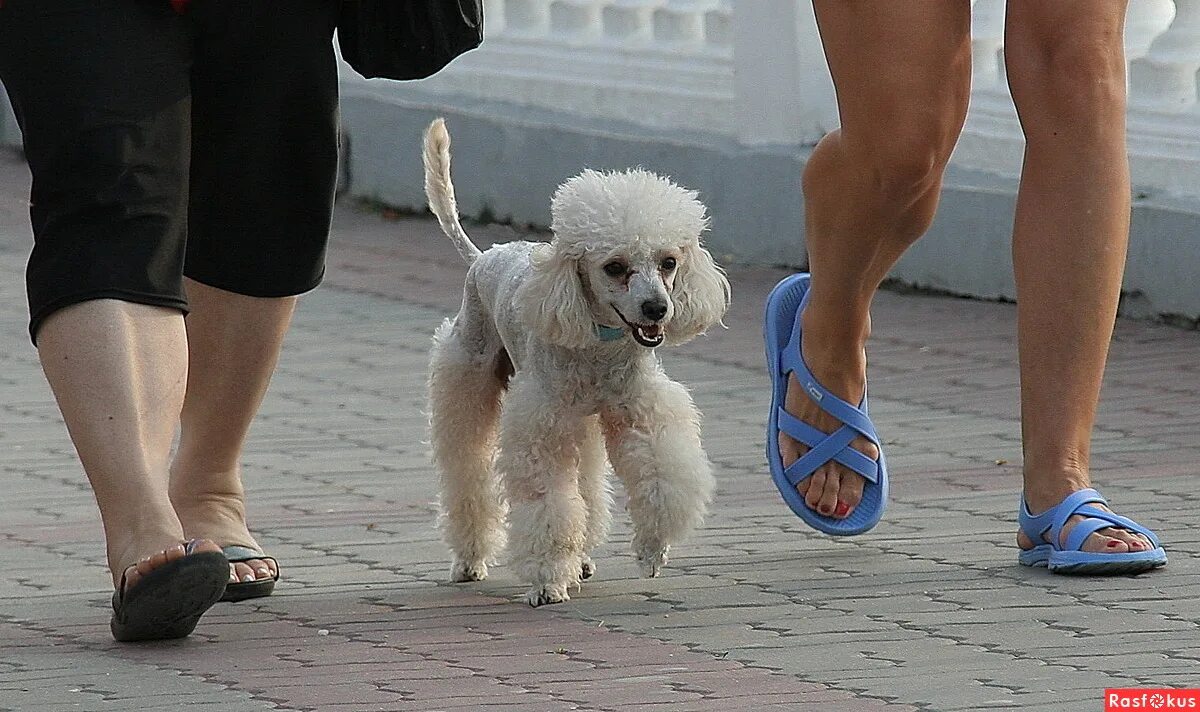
x=548 y=373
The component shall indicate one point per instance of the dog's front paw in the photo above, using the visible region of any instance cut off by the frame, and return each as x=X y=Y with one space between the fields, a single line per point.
x=587 y=568
x=468 y=571
x=652 y=563
x=550 y=593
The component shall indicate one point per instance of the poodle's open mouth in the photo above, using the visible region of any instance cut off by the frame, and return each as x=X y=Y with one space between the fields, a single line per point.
x=648 y=335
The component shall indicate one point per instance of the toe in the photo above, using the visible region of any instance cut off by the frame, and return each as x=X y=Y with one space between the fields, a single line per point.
x=132 y=577
x=816 y=488
x=850 y=495
x=135 y=572
x=1101 y=543
x=1132 y=540
x=255 y=569
x=262 y=568
x=827 y=504
x=243 y=573
x=158 y=558
x=789 y=449
x=1112 y=540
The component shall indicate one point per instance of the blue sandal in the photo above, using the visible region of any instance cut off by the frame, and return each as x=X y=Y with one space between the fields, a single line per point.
x=1069 y=558
x=782 y=335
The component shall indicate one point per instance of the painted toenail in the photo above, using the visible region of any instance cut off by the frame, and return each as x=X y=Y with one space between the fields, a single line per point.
x=842 y=509
x=1111 y=544
x=248 y=578
x=825 y=510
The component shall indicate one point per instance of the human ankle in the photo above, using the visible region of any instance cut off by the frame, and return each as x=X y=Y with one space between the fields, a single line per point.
x=195 y=486
x=836 y=354
x=193 y=504
x=842 y=328
x=1045 y=488
x=216 y=513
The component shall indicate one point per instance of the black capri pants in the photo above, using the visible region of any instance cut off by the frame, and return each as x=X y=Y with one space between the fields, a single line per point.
x=163 y=143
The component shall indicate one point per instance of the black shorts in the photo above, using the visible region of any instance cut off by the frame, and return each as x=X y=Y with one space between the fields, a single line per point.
x=163 y=145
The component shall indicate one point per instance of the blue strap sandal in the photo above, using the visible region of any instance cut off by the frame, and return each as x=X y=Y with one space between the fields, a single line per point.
x=1069 y=558
x=782 y=335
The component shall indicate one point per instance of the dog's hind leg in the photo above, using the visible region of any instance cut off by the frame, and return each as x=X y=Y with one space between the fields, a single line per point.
x=596 y=492
x=464 y=400
x=654 y=445
x=539 y=464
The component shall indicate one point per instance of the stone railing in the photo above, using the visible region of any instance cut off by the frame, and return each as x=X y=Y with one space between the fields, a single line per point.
x=663 y=64
x=755 y=72
x=1163 y=50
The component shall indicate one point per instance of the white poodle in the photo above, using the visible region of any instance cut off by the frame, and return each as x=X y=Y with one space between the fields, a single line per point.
x=549 y=366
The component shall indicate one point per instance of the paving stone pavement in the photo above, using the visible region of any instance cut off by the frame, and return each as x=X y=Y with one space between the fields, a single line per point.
x=927 y=612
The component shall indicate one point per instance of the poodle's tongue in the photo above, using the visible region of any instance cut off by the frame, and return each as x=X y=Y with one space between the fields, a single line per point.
x=648 y=336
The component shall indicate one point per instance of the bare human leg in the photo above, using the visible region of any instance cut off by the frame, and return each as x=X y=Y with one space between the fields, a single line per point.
x=233 y=342
x=118 y=371
x=1066 y=69
x=902 y=74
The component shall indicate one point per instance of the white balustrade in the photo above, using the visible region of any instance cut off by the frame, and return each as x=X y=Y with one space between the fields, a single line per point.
x=1146 y=20
x=529 y=18
x=754 y=72
x=666 y=64
x=628 y=20
x=1162 y=45
x=1165 y=78
x=575 y=19
x=987 y=41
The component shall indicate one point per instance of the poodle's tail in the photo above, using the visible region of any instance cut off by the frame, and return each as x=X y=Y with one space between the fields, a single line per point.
x=440 y=191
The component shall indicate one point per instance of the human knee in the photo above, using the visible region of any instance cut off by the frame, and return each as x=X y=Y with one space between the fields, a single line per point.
x=907 y=161
x=1066 y=83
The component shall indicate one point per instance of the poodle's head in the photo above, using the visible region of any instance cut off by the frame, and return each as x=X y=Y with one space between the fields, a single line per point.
x=625 y=262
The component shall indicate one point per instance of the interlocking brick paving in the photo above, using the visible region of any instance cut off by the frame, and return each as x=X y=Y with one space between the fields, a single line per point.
x=928 y=611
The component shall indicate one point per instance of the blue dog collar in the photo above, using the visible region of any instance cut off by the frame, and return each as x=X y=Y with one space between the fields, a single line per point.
x=609 y=333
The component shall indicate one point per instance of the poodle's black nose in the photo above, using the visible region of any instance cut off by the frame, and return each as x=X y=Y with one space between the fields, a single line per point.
x=654 y=309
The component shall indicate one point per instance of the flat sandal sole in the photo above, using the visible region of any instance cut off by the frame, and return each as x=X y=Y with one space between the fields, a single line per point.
x=169 y=601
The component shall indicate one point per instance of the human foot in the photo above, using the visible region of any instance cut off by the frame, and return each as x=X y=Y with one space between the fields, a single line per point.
x=1109 y=540
x=163 y=595
x=1080 y=535
x=840 y=365
x=221 y=517
x=822 y=447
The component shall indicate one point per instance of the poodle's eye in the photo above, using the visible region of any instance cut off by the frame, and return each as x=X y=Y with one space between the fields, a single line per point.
x=615 y=269
x=669 y=264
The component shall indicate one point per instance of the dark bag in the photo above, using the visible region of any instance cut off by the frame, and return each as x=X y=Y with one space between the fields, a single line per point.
x=407 y=39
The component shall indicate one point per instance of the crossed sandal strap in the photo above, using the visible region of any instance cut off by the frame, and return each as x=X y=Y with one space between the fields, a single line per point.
x=1098 y=519
x=825 y=447
x=1054 y=519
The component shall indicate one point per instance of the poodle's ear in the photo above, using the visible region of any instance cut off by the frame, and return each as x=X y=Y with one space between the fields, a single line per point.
x=551 y=301
x=701 y=295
